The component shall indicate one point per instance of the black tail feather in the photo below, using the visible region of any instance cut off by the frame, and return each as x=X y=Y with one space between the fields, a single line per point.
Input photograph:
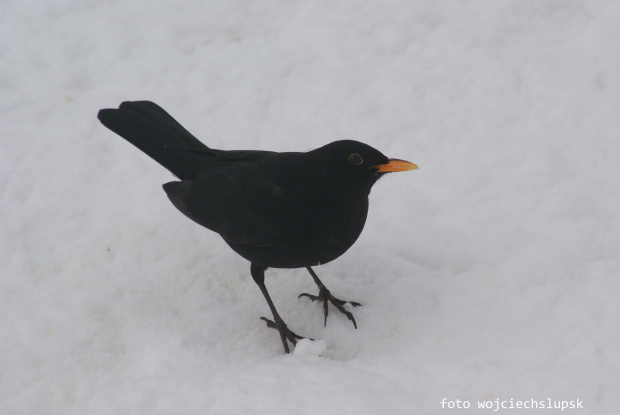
x=147 y=126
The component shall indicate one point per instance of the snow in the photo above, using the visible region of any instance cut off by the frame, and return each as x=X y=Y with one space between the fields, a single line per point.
x=492 y=273
x=310 y=347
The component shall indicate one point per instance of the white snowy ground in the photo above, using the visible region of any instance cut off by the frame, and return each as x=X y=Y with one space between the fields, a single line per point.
x=492 y=273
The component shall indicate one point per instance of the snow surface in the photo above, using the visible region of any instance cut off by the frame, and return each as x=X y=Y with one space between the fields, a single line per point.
x=493 y=272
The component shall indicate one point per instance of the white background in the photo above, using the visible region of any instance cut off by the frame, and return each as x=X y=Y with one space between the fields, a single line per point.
x=493 y=272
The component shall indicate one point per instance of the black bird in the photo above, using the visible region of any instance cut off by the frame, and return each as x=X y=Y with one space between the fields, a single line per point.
x=278 y=210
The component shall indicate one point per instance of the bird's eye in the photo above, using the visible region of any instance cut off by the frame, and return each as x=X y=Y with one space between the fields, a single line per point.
x=355 y=159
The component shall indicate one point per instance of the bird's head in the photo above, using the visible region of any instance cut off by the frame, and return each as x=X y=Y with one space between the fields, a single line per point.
x=354 y=161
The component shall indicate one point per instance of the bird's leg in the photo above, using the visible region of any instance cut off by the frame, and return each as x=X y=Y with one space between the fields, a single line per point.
x=258 y=273
x=325 y=296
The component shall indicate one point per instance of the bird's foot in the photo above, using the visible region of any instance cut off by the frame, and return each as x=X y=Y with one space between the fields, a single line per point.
x=285 y=332
x=325 y=296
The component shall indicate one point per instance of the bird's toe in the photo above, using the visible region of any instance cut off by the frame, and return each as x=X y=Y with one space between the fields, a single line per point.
x=285 y=333
x=325 y=296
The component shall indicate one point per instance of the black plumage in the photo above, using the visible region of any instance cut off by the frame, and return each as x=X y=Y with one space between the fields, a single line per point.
x=279 y=210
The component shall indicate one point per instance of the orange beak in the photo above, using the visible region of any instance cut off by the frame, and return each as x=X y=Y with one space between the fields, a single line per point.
x=395 y=165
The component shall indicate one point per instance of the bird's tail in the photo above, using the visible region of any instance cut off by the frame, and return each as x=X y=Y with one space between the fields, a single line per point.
x=147 y=126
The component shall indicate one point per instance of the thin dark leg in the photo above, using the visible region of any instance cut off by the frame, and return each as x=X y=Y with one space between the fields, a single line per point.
x=325 y=296
x=258 y=273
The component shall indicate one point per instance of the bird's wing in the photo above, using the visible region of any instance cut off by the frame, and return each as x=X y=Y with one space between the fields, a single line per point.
x=243 y=210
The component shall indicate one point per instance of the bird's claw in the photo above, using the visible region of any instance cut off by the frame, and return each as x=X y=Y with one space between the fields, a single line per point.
x=325 y=296
x=285 y=333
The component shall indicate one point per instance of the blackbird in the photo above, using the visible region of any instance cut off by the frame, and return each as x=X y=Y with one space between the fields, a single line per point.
x=277 y=210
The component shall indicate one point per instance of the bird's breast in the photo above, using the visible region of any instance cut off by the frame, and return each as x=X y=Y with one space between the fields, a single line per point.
x=330 y=229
